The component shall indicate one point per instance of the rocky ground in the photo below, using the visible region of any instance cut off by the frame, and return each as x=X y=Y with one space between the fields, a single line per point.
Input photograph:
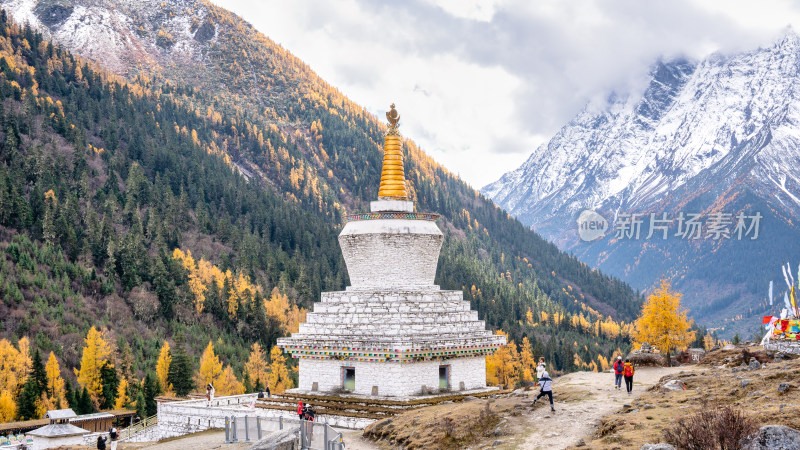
x=766 y=392
x=581 y=400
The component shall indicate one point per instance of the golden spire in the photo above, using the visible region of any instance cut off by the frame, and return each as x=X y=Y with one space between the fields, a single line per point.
x=393 y=180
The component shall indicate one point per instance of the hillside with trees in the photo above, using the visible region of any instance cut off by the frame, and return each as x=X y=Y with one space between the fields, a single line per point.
x=146 y=209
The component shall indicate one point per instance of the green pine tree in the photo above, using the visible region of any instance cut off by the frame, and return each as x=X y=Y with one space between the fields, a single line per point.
x=151 y=390
x=141 y=409
x=110 y=382
x=181 y=371
x=70 y=395
x=35 y=384
x=85 y=405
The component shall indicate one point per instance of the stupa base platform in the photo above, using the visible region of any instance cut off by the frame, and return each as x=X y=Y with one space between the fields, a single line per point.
x=392 y=379
x=390 y=400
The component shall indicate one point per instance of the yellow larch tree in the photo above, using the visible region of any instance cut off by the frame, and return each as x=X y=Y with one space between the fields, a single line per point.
x=44 y=404
x=708 y=341
x=277 y=305
x=122 y=395
x=256 y=366
x=95 y=355
x=162 y=368
x=663 y=321
x=279 y=380
x=55 y=384
x=15 y=363
x=526 y=360
x=8 y=407
x=502 y=367
x=228 y=384
x=282 y=311
x=603 y=363
x=210 y=368
x=24 y=361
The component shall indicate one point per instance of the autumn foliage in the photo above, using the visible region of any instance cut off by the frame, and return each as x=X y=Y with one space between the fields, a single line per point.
x=96 y=353
x=663 y=321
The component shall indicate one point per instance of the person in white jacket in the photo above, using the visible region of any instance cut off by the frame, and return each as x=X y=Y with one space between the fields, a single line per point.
x=540 y=370
x=547 y=389
x=210 y=393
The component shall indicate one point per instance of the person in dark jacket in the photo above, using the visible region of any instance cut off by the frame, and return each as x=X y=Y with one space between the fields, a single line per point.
x=113 y=436
x=268 y=393
x=101 y=442
x=546 y=383
x=618 y=365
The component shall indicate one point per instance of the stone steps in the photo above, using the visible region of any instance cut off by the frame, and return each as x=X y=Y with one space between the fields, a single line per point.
x=409 y=317
x=360 y=407
x=405 y=333
x=396 y=307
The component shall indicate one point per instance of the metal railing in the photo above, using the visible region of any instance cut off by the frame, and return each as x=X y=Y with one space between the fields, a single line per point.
x=137 y=427
x=312 y=435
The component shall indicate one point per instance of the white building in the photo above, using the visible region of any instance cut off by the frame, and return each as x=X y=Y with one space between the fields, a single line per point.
x=392 y=332
x=59 y=433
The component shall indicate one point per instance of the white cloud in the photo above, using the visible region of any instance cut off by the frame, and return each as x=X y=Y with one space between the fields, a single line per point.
x=480 y=83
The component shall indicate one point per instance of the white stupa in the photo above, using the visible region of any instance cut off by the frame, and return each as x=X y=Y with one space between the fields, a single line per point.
x=392 y=332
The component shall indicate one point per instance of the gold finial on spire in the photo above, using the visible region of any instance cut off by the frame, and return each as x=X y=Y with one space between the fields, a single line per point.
x=394 y=119
x=393 y=180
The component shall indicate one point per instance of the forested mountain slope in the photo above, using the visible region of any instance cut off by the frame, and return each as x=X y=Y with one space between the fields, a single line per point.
x=103 y=177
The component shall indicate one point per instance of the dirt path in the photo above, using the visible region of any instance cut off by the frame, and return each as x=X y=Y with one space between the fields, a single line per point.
x=575 y=420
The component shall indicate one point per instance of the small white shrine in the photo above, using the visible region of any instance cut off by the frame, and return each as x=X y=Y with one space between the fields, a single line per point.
x=392 y=332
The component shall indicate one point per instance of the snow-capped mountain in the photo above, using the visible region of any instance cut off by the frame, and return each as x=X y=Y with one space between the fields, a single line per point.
x=123 y=36
x=716 y=136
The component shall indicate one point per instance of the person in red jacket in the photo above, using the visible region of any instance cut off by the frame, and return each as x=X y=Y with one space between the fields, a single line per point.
x=618 y=366
x=300 y=409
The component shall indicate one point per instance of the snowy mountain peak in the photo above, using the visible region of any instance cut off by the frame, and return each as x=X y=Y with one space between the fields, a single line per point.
x=713 y=134
x=124 y=36
x=690 y=117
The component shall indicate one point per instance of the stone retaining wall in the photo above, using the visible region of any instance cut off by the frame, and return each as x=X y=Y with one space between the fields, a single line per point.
x=193 y=416
x=783 y=346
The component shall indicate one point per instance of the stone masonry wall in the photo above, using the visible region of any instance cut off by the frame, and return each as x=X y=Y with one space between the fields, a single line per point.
x=192 y=416
x=386 y=253
x=778 y=345
x=392 y=378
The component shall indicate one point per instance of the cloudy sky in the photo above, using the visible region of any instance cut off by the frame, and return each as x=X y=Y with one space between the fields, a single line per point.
x=479 y=84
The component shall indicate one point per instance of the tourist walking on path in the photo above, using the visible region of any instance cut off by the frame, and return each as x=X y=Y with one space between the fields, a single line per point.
x=547 y=389
x=210 y=393
x=627 y=372
x=540 y=370
x=268 y=393
x=114 y=437
x=618 y=366
x=300 y=410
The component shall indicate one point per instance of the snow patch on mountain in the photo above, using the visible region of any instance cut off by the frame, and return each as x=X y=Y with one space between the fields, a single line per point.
x=634 y=152
x=125 y=36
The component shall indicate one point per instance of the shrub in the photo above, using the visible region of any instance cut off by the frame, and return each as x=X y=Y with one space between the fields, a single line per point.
x=164 y=39
x=720 y=428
